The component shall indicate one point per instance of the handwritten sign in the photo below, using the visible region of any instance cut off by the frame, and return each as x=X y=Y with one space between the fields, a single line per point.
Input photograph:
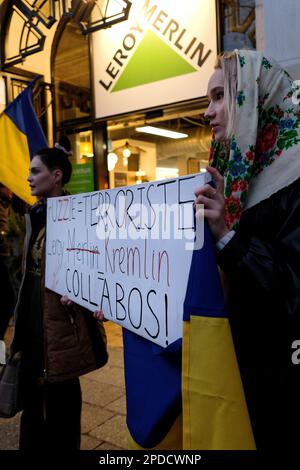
x=128 y=251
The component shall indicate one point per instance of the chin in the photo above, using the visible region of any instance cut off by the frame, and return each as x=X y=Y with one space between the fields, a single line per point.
x=35 y=193
x=220 y=137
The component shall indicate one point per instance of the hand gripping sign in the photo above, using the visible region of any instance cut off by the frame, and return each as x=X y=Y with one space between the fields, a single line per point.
x=128 y=251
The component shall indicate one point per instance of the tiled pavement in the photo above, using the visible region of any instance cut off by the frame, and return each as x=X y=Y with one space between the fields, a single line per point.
x=103 y=414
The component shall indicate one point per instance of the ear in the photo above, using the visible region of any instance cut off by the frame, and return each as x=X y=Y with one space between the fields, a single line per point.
x=58 y=175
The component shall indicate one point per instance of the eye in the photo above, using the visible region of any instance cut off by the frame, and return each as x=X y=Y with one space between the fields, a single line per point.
x=219 y=95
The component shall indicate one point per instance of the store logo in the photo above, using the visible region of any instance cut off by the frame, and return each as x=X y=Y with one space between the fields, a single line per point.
x=155 y=57
x=153 y=60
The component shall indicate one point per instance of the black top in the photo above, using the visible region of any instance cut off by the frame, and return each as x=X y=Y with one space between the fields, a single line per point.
x=31 y=316
x=262 y=262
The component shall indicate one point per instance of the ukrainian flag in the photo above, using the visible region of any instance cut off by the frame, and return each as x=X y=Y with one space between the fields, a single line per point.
x=215 y=414
x=189 y=395
x=21 y=136
x=153 y=393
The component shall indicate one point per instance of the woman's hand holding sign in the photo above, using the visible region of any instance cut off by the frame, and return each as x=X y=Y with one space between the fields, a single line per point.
x=214 y=204
x=98 y=314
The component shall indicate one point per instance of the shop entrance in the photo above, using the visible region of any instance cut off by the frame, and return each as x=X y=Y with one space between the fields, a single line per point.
x=73 y=102
x=138 y=152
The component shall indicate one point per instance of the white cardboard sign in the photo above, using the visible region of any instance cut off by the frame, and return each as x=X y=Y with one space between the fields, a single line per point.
x=128 y=251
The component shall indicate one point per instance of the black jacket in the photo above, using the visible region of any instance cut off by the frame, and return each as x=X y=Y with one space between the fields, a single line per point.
x=66 y=341
x=262 y=263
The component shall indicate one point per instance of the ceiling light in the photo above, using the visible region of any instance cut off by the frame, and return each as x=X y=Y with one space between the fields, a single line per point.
x=112 y=159
x=126 y=152
x=161 y=132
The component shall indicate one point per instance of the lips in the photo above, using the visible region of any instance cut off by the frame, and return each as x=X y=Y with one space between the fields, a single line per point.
x=215 y=127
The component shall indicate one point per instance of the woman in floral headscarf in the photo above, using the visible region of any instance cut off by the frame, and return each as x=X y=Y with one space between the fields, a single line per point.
x=254 y=214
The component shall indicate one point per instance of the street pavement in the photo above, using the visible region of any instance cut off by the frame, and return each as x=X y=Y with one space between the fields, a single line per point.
x=103 y=425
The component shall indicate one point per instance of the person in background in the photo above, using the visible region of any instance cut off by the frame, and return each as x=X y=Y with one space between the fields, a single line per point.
x=7 y=297
x=254 y=215
x=16 y=235
x=59 y=342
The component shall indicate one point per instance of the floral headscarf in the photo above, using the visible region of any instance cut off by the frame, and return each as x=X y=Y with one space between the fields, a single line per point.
x=263 y=155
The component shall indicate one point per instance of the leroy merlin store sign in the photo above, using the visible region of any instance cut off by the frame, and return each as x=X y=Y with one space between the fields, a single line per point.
x=164 y=53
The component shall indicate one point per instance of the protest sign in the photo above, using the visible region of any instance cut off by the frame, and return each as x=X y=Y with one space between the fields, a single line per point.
x=128 y=251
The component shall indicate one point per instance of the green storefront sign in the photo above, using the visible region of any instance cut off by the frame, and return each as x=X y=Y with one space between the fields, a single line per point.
x=82 y=180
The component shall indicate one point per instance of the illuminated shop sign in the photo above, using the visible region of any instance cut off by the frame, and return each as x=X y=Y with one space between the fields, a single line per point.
x=163 y=54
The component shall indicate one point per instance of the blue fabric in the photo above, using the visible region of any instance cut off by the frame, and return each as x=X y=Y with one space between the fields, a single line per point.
x=21 y=112
x=204 y=296
x=153 y=388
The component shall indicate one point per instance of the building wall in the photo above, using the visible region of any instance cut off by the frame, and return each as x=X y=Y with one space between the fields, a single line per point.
x=278 y=32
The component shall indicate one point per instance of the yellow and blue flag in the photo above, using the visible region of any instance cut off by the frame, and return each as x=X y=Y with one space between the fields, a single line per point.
x=189 y=395
x=215 y=414
x=21 y=136
x=153 y=393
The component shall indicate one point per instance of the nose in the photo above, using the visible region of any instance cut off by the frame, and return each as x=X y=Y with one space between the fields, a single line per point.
x=210 y=113
x=29 y=178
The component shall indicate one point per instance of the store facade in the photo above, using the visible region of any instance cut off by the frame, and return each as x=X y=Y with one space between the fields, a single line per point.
x=115 y=90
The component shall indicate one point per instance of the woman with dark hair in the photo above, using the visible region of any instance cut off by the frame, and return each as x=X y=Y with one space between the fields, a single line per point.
x=254 y=215
x=58 y=342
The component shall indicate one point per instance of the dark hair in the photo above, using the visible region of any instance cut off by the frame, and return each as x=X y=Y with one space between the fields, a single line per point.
x=64 y=142
x=55 y=158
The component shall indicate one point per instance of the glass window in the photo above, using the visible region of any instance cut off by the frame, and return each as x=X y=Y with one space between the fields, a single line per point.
x=72 y=77
x=82 y=180
x=238 y=24
x=137 y=155
x=73 y=105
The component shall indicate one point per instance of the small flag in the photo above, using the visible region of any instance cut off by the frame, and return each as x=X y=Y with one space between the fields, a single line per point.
x=21 y=136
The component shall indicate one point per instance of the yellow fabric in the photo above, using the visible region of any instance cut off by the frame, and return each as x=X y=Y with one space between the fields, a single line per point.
x=215 y=415
x=186 y=405
x=15 y=159
x=172 y=441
